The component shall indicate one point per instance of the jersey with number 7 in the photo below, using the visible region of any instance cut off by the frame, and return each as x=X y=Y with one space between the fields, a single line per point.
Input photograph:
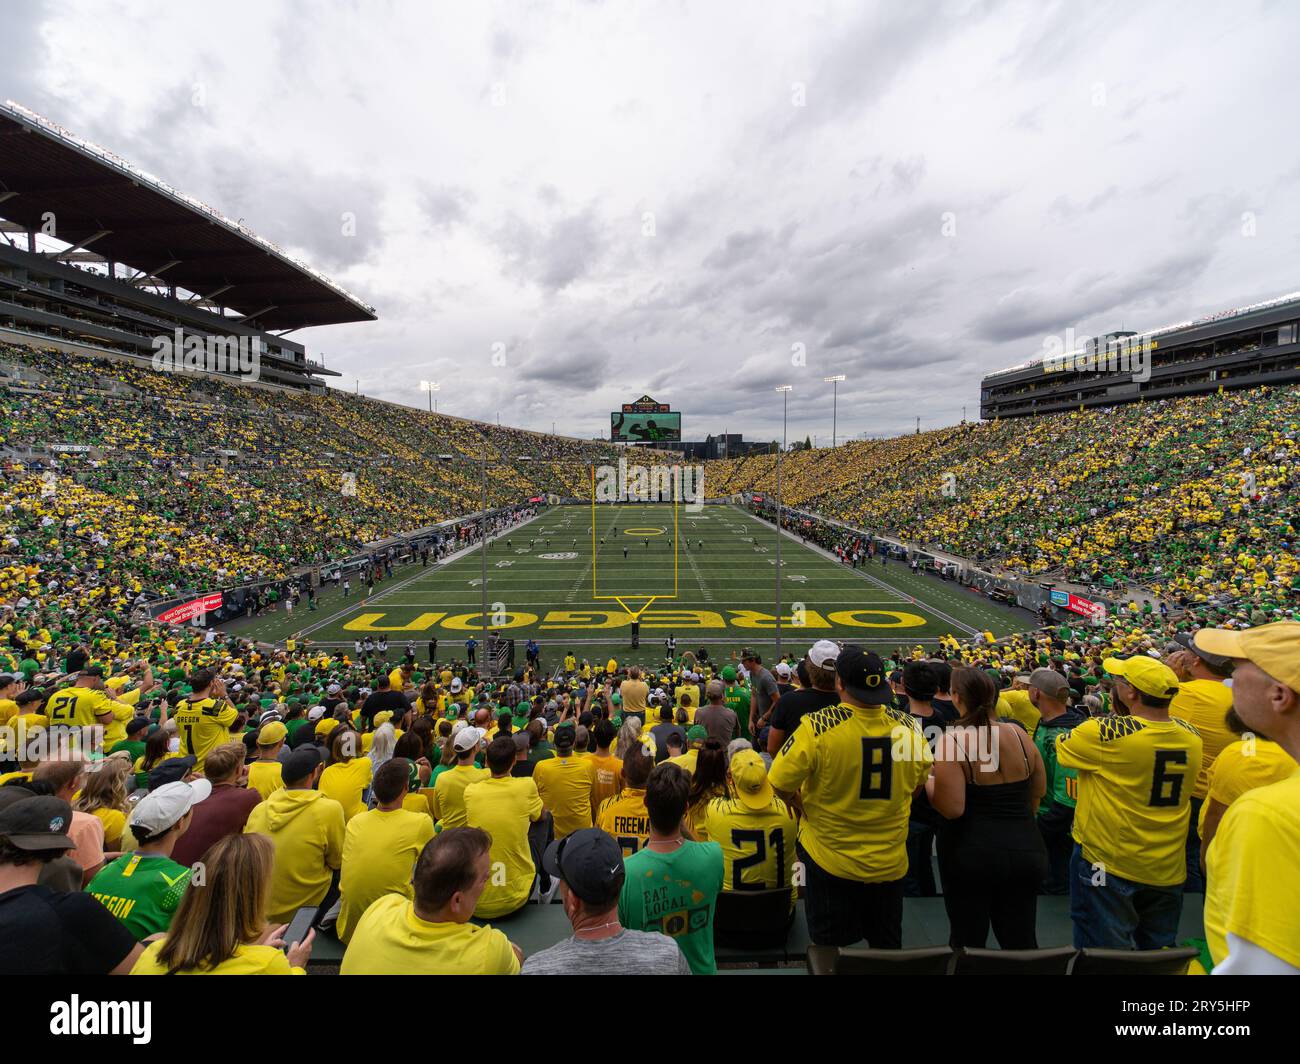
x=1135 y=789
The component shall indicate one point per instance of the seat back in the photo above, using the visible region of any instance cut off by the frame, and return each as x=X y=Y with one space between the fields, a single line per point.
x=1134 y=962
x=1014 y=961
x=832 y=960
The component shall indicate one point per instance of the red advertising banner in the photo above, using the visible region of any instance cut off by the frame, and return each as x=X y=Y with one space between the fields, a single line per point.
x=187 y=611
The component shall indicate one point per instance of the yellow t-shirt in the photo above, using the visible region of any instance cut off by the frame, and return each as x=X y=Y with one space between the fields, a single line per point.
x=686 y=760
x=1015 y=705
x=448 y=799
x=625 y=817
x=757 y=844
x=114 y=822
x=608 y=780
x=266 y=777
x=856 y=769
x=344 y=782
x=248 y=959
x=1242 y=766
x=379 y=854
x=1252 y=868
x=1135 y=794
x=504 y=808
x=392 y=940
x=1204 y=704
x=565 y=786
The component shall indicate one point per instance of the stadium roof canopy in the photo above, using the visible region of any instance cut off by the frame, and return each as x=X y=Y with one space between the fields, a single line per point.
x=105 y=204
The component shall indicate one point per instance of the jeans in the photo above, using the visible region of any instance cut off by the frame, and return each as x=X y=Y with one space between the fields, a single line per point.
x=1116 y=913
x=842 y=912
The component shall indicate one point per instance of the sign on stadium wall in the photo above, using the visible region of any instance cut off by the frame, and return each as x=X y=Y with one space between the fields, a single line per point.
x=187 y=611
x=1075 y=604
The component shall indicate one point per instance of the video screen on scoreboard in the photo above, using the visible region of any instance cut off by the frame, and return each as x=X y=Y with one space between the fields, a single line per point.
x=644 y=428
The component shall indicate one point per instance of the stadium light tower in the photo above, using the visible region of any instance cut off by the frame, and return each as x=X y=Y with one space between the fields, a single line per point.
x=432 y=387
x=834 y=382
x=784 y=389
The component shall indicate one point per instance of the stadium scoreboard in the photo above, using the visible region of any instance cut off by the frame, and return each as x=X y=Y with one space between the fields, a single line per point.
x=645 y=421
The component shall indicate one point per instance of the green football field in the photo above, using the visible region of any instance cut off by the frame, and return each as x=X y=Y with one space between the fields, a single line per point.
x=574 y=578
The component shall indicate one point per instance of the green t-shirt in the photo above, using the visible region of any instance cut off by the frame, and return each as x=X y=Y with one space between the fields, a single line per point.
x=737 y=700
x=142 y=890
x=675 y=894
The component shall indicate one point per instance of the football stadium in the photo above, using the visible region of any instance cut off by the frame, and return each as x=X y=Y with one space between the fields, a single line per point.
x=306 y=671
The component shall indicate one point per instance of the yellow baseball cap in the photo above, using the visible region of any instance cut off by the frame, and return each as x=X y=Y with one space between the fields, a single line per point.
x=326 y=725
x=271 y=733
x=383 y=717
x=1149 y=676
x=749 y=774
x=1275 y=648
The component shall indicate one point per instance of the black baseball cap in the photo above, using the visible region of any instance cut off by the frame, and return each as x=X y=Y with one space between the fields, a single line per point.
x=590 y=861
x=171 y=770
x=863 y=675
x=37 y=824
x=1184 y=640
x=300 y=764
x=138 y=724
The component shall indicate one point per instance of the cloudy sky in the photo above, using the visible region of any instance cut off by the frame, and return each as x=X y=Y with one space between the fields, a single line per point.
x=704 y=200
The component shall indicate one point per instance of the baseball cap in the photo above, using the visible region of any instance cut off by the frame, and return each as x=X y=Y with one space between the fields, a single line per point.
x=715 y=689
x=171 y=770
x=327 y=726
x=271 y=733
x=747 y=654
x=565 y=736
x=1275 y=648
x=1186 y=641
x=138 y=724
x=455 y=685
x=696 y=733
x=729 y=673
x=163 y=807
x=316 y=712
x=749 y=774
x=863 y=675
x=468 y=738
x=1050 y=682
x=782 y=669
x=824 y=653
x=1149 y=676
x=590 y=862
x=300 y=764
x=38 y=823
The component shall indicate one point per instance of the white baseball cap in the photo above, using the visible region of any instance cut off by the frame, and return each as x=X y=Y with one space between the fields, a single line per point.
x=468 y=738
x=163 y=808
x=455 y=685
x=316 y=712
x=824 y=653
x=782 y=669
